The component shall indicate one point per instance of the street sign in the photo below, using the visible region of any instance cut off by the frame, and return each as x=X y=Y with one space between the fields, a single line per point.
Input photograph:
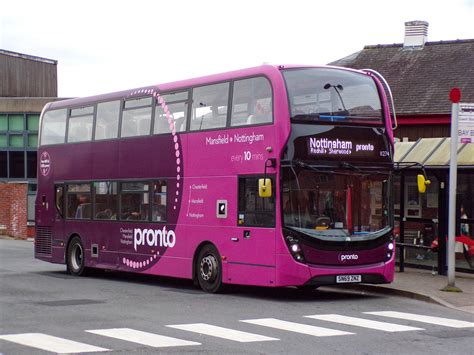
x=466 y=123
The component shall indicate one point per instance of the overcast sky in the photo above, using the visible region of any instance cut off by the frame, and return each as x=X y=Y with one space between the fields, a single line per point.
x=105 y=46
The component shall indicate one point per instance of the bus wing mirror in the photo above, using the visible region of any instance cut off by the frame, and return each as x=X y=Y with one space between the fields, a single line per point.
x=265 y=187
x=422 y=183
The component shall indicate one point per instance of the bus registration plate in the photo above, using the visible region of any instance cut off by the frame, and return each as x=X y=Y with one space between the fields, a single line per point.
x=348 y=278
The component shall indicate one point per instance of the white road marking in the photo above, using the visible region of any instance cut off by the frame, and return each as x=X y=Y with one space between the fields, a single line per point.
x=364 y=323
x=296 y=327
x=144 y=338
x=51 y=343
x=220 y=332
x=453 y=323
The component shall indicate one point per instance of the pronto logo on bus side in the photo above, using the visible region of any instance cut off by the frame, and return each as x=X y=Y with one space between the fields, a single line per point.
x=344 y=257
x=154 y=237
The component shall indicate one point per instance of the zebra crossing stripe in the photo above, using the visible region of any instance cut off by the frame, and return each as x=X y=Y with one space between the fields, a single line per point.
x=220 y=332
x=143 y=338
x=51 y=343
x=453 y=323
x=364 y=323
x=296 y=327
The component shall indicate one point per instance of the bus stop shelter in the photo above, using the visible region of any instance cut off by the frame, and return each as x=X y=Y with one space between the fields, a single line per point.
x=421 y=220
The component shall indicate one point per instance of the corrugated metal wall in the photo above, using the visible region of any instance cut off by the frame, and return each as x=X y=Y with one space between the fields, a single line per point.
x=21 y=77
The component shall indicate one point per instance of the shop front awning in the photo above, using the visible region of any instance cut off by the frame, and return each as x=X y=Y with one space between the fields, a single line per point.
x=432 y=153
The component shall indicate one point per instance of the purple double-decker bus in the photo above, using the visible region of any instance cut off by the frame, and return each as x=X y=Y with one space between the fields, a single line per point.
x=268 y=176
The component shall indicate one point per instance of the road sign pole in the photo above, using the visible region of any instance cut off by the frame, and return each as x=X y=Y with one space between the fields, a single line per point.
x=453 y=178
x=455 y=97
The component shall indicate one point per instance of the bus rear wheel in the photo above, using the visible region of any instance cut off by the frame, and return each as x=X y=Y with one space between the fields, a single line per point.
x=76 y=257
x=209 y=269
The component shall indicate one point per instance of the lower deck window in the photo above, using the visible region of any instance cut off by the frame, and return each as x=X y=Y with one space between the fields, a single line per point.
x=78 y=202
x=135 y=201
x=106 y=200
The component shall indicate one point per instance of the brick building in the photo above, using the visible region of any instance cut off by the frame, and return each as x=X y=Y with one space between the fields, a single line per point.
x=421 y=75
x=27 y=84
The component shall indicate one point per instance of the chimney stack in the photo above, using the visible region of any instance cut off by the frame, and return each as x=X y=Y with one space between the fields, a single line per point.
x=416 y=34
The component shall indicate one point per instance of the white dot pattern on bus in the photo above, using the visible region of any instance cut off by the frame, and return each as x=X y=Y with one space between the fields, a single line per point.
x=141 y=264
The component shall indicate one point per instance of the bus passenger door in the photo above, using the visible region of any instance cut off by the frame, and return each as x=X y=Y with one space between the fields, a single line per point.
x=252 y=260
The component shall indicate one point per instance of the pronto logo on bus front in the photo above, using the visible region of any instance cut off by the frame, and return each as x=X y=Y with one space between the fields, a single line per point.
x=345 y=257
x=154 y=238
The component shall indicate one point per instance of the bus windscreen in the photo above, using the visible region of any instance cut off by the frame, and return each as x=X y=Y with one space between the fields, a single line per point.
x=336 y=203
x=334 y=96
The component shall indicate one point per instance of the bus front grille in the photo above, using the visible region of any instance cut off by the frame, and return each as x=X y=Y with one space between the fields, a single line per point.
x=43 y=240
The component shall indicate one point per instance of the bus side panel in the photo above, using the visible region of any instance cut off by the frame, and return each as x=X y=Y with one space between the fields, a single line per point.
x=100 y=244
x=289 y=272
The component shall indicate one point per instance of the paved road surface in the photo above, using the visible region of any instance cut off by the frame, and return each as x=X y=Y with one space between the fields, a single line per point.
x=44 y=310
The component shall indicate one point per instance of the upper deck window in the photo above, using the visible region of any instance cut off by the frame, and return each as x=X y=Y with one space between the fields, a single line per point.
x=54 y=127
x=332 y=95
x=80 y=124
x=136 y=117
x=107 y=120
x=251 y=102
x=177 y=105
x=210 y=104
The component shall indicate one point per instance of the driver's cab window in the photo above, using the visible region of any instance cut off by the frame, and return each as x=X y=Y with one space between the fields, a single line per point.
x=255 y=211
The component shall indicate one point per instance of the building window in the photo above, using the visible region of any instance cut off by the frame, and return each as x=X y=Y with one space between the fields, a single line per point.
x=18 y=145
x=16 y=122
x=3 y=165
x=17 y=165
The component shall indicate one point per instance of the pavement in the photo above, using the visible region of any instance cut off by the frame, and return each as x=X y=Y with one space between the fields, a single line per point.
x=424 y=286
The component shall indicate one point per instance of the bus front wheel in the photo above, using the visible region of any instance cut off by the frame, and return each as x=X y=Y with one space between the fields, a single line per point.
x=75 y=257
x=209 y=269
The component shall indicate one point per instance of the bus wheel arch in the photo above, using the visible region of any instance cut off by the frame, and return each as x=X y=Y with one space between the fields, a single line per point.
x=75 y=256
x=207 y=268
